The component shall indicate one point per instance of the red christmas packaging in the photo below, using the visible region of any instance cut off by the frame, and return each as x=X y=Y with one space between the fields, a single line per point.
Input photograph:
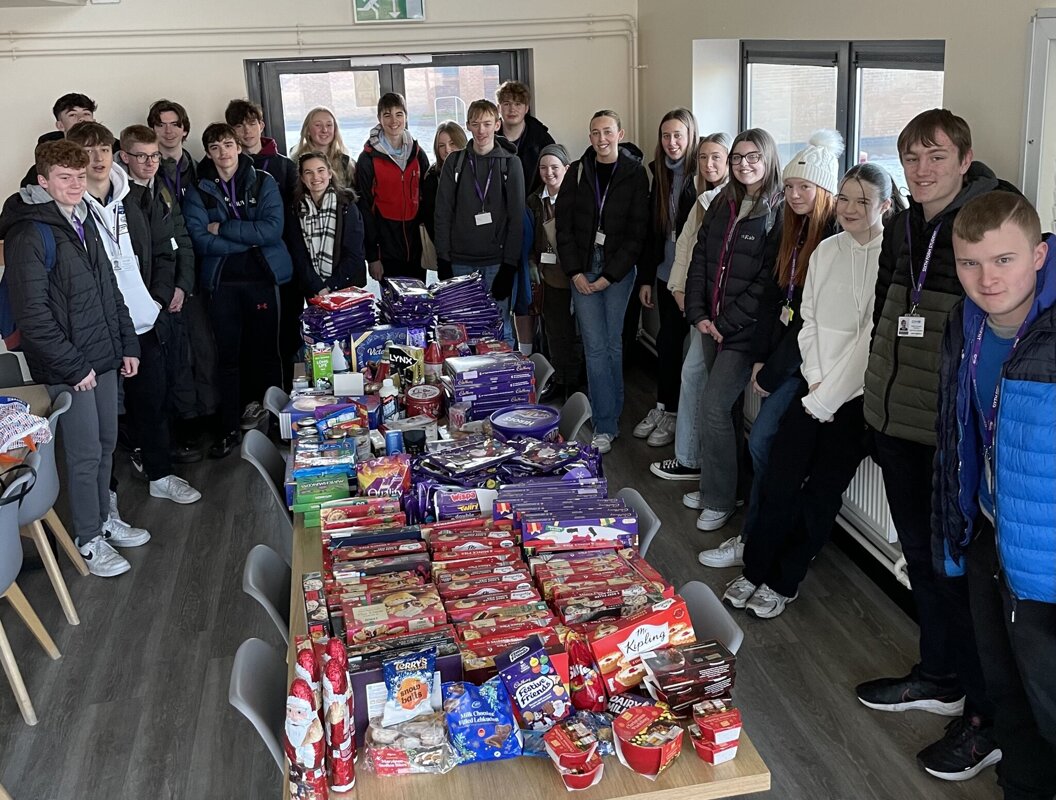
x=485 y=570
x=453 y=559
x=617 y=644
x=570 y=743
x=586 y=688
x=307 y=667
x=472 y=540
x=602 y=603
x=467 y=524
x=303 y=742
x=403 y=611
x=315 y=605
x=711 y=752
x=501 y=642
x=538 y=616
x=481 y=607
x=719 y=728
x=647 y=571
x=403 y=641
x=377 y=550
x=584 y=777
x=339 y=514
x=486 y=584
x=338 y=716
x=646 y=740
x=373 y=522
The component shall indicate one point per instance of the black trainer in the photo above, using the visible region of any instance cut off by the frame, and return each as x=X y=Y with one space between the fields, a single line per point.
x=670 y=470
x=913 y=692
x=223 y=447
x=965 y=750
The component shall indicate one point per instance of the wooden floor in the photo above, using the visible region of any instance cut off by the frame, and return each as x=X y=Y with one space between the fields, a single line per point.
x=137 y=706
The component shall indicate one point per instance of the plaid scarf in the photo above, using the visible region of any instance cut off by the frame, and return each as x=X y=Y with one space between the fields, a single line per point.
x=319 y=229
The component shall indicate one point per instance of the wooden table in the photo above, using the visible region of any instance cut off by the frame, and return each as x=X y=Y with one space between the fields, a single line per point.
x=688 y=778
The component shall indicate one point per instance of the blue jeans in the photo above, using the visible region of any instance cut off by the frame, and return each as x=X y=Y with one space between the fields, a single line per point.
x=489 y=272
x=687 y=424
x=600 y=318
x=764 y=429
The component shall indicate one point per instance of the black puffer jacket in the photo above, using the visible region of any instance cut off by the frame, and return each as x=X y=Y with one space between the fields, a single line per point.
x=901 y=381
x=775 y=344
x=753 y=249
x=536 y=136
x=625 y=221
x=72 y=319
x=653 y=255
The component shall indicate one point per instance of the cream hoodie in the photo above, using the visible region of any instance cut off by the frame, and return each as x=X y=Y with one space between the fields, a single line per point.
x=837 y=311
x=687 y=240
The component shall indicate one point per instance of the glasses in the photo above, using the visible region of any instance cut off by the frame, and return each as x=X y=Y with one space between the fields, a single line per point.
x=143 y=158
x=753 y=157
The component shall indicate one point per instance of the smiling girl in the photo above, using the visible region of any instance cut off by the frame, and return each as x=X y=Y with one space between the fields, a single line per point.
x=320 y=134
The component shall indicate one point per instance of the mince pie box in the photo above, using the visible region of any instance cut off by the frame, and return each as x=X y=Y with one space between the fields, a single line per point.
x=402 y=611
x=618 y=644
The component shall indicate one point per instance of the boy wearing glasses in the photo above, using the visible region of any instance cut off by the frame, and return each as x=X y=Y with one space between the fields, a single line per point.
x=137 y=236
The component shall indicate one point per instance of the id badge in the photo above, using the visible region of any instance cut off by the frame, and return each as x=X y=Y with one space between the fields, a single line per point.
x=911 y=326
x=483 y=218
x=786 y=315
x=126 y=264
x=548 y=258
x=599 y=237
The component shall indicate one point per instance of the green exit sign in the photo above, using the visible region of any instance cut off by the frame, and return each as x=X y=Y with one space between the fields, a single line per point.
x=389 y=10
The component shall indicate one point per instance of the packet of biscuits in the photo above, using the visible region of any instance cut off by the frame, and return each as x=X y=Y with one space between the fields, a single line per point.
x=480 y=721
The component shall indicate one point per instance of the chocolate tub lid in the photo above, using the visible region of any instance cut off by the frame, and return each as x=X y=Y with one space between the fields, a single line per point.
x=526 y=417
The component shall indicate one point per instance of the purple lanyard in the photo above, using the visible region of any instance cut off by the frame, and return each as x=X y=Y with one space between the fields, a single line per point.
x=600 y=198
x=175 y=188
x=481 y=194
x=724 y=261
x=795 y=259
x=232 y=195
x=990 y=414
x=918 y=282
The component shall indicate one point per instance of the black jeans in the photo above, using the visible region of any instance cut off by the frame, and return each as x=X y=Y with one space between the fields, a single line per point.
x=670 y=347
x=947 y=641
x=566 y=351
x=291 y=299
x=245 y=319
x=810 y=466
x=147 y=406
x=1018 y=654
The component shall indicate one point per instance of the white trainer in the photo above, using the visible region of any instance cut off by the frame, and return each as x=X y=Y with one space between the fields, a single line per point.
x=102 y=559
x=648 y=425
x=738 y=592
x=602 y=442
x=664 y=433
x=176 y=489
x=767 y=604
x=728 y=554
x=118 y=533
x=692 y=500
x=711 y=520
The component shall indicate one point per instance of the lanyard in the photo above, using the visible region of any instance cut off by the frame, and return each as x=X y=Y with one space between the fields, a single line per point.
x=232 y=195
x=795 y=259
x=990 y=414
x=917 y=284
x=176 y=187
x=600 y=198
x=725 y=256
x=481 y=194
x=114 y=237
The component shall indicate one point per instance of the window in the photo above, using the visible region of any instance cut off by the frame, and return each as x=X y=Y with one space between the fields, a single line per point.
x=866 y=90
x=437 y=88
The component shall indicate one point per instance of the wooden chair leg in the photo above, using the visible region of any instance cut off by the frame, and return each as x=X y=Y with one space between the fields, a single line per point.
x=65 y=542
x=7 y=659
x=3 y=793
x=51 y=566
x=29 y=616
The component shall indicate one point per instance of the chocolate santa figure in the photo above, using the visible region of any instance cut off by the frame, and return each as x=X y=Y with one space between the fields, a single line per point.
x=340 y=738
x=303 y=743
x=307 y=667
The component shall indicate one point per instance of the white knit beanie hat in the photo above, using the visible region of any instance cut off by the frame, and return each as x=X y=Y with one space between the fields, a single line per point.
x=819 y=161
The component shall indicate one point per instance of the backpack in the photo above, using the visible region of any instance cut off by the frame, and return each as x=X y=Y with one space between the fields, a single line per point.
x=8 y=329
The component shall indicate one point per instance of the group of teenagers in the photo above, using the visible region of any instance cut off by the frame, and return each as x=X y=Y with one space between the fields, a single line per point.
x=922 y=334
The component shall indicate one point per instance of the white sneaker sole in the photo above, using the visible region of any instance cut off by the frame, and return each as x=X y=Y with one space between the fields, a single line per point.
x=666 y=440
x=991 y=758
x=770 y=614
x=713 y=525
x=667 y=476
x=931 y=706
x=183 y=501
x=638 y=433
x=112 y=574
x=717 y=563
